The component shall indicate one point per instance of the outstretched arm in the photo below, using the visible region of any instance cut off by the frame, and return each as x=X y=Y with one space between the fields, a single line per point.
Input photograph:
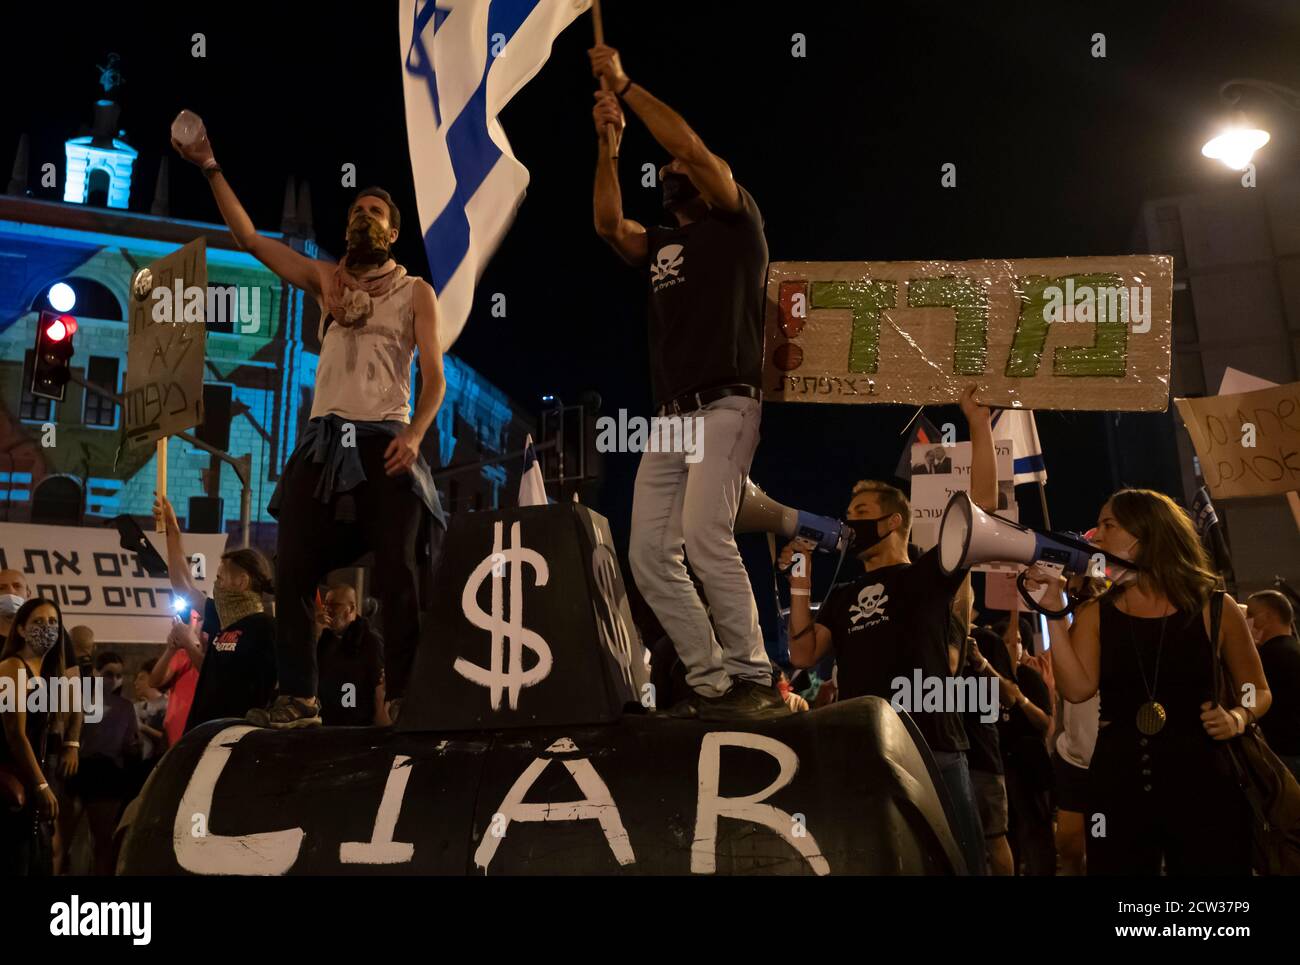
x=709 y=172
x=295 y=268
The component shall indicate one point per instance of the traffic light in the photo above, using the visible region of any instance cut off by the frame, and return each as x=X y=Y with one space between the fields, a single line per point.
x=53 y=357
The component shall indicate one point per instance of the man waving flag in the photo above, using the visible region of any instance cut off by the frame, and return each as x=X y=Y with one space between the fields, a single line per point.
x=462 y=61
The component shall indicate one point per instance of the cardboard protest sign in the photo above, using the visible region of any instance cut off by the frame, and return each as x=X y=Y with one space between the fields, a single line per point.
x=166 y=343
x=940 y=470
x=1248 y=444
x=1035 y=333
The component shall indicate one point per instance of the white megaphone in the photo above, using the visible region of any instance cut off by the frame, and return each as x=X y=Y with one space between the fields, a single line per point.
x=760 y=513
x=969 y=536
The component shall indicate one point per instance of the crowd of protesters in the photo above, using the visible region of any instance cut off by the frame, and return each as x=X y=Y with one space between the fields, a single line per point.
x=1024 y=792
x=1072 y=778
x=63 y=773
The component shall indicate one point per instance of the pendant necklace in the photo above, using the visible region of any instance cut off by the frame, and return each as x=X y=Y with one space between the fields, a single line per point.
x=1151 y=716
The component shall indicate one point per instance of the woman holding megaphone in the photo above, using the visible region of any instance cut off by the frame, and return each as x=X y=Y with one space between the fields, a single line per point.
x=1162 y=786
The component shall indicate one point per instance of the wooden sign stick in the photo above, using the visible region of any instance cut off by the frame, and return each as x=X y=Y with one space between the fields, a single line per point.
x=160 y=526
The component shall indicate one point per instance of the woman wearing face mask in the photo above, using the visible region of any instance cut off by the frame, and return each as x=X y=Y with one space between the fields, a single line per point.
x=1160 y=775
x=237 y=669
x=28 y=806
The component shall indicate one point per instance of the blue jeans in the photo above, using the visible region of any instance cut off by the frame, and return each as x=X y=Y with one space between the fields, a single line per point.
x=968 y=830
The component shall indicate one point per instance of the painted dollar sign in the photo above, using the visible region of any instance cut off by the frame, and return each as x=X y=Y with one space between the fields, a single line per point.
x=506 y=672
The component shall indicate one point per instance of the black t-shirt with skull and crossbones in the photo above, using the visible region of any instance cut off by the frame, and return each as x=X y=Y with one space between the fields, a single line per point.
x=889 y=622
x=706 y=302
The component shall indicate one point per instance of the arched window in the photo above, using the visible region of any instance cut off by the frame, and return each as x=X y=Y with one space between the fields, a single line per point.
x=57 y=499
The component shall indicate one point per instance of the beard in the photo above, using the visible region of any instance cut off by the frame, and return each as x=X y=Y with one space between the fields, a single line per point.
x=367 y=242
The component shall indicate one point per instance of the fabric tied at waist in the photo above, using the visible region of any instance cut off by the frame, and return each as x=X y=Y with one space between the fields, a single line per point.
x=341 y=469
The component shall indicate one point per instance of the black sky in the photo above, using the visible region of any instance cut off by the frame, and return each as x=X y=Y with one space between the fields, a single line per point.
x=1055 y=152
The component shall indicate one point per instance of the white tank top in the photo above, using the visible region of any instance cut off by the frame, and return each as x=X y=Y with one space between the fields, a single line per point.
x=364 y=373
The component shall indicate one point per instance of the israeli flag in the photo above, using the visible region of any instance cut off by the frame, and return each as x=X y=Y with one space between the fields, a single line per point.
x=1026 y=451
x=532 y=488
x=462 y=61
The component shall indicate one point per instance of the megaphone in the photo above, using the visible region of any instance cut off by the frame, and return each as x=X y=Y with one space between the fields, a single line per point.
x=969 y=536
x=760 y=513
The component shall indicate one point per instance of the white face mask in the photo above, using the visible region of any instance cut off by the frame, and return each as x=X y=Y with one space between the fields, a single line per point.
x=9 y=603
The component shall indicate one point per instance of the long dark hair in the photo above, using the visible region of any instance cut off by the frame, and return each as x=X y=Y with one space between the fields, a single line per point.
x=14 y=643
x=1170 y=556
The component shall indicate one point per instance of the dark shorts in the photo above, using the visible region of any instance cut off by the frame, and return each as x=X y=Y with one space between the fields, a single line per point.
x=1072 y=785
x=991 y=796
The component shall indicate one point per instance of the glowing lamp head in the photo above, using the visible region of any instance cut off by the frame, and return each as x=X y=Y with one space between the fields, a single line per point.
x=62 y=297
x=1235 y=146
x=180 y=604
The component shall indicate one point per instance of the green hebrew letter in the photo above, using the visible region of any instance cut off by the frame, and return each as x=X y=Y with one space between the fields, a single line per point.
x=969 y=302
x=1102 y=296
x=866 y=299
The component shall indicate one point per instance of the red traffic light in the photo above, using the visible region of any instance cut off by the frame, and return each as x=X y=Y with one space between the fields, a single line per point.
x=65 y=326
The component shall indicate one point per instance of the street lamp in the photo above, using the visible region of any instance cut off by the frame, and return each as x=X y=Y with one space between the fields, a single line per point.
x=1238 y=141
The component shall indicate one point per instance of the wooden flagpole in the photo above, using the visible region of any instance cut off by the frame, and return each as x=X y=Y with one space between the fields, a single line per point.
x=598 y=23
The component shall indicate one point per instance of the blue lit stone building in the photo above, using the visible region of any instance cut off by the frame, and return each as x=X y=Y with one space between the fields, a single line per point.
x=259 y=384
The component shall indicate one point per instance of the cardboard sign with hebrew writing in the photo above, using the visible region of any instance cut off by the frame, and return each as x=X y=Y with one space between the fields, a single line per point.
x=1248 y=444
x=1037 y=333
x=166 y=342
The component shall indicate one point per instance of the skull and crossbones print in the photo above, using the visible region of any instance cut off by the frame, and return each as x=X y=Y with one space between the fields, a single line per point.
x=871 y=600
x=667 y=264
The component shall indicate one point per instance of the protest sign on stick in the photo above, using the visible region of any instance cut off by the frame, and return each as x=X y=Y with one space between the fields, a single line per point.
x=166 y=342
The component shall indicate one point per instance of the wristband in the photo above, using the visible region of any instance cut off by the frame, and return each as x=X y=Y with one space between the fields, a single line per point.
x=44 y=786
x=72 y=744
x=211 y=167
x=795 y=592
x=1241 y=720
x=626 y=88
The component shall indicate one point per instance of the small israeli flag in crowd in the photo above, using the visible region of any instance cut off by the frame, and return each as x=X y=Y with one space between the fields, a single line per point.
x=1026 y=451
x=532 y=488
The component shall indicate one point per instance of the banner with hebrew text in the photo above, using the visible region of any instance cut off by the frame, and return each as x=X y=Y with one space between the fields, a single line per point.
x=1034 y=333
x=98 y=583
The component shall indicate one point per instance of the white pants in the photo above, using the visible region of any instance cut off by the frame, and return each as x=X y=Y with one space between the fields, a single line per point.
x=682 y=505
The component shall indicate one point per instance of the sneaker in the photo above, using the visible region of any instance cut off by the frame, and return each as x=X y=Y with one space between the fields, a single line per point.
x=286 y=713
x=745 y=700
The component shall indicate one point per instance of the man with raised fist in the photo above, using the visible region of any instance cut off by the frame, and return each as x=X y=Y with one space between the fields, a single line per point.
x=361 y=445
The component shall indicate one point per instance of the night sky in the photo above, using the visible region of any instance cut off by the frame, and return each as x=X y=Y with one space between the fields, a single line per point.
x=1055 y=153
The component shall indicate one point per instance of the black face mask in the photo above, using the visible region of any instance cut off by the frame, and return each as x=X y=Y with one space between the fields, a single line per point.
x=678 y=189
x=866 y=532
